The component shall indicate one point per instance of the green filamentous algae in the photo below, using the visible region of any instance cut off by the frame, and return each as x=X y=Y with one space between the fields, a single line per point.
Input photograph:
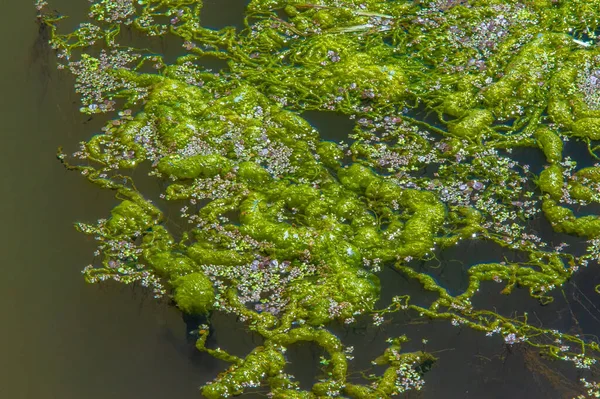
x=289 y=231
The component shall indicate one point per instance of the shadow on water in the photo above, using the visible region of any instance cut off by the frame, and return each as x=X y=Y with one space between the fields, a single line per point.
x=540 y=226
x=582 y=302
x=578 y=151
x=308 y=355
x=450 y=266
x=332 y=126
x=40 y=64
x=529 y=156
x=218 y=14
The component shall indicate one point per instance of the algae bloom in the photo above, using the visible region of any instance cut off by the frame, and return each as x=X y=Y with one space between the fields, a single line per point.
x=289 y=231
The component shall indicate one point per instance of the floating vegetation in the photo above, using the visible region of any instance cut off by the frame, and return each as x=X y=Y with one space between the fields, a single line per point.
x=288 y=231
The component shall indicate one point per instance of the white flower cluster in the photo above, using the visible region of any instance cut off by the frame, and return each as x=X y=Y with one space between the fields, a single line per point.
x=408 y=378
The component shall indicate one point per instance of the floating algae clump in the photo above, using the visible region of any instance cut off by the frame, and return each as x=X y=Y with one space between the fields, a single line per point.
x=194 y=293
x=550 y=144
x=289 y=231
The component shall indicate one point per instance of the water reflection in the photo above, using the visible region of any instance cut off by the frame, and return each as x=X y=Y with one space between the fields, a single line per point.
x=65 y=339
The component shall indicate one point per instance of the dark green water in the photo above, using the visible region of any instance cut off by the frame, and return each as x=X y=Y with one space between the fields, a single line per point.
x=61 y=338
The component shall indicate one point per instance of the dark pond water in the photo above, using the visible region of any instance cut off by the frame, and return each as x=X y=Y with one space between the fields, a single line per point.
x=61 y=338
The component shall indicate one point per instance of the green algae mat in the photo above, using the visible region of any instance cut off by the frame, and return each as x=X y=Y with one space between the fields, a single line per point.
x=288 y=231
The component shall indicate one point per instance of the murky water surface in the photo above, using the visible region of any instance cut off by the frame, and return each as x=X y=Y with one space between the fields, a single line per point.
x=61 y=338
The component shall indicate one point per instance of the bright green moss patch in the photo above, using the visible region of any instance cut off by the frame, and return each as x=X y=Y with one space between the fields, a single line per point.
x=550 y=143
x=564 y=221
x=258 y=364
x=560 y=111
x=590 y=174
x=204 y=253
x=192 y=167
x=194 y=293
x=587 y=127
x=580 y=192
x=551 y=181
x=169 y=264
x=473 y=124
